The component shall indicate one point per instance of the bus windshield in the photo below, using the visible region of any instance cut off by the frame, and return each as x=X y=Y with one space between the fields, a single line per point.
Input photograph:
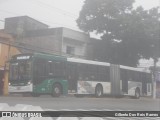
x=20 y=70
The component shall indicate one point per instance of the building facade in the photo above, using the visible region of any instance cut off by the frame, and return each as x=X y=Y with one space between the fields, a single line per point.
x=34 y=36
x=17 y=25
x=6 y=51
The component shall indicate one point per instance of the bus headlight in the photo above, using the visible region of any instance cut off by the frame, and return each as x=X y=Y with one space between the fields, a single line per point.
x=29 y=82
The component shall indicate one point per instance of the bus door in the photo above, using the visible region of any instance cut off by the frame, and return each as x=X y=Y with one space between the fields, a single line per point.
x=149 y=84
x=146 y=84
x=72 y=77
x=149 y=89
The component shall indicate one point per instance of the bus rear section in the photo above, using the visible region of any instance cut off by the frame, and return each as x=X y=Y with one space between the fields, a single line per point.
x=98 y=78
x=135 y=82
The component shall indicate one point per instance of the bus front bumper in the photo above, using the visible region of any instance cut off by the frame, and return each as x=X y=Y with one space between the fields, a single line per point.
x=20 y=89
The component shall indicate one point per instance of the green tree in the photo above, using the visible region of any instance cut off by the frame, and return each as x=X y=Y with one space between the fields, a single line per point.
x=127 y=34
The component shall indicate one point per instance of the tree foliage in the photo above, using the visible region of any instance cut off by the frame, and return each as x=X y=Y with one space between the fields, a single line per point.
x=127 y=34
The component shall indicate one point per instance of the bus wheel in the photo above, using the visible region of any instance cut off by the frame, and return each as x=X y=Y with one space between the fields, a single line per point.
x=99 y=91
x=56 y=90
x=137 y=93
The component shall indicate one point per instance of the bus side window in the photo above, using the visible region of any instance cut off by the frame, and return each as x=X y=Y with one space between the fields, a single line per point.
x=56 y=69
x=104 y=73
x=59 y=68
x=82 y=71
x=93 y=72
x=39 y=70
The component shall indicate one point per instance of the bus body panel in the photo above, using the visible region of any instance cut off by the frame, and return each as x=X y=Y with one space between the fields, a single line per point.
x=132 y=88
x=47 y=86
x=88 y=87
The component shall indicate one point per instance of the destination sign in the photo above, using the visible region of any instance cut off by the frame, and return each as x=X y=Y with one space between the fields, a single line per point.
x=23 y=57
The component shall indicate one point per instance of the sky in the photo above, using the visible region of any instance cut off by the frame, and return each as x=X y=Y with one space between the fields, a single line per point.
x=55 y=13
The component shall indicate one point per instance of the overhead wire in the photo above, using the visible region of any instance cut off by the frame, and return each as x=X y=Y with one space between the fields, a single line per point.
x=32 y=48
x=29 y=45
x=9 y=12
x=61 y=11
x=13 y=13
x=18 y=43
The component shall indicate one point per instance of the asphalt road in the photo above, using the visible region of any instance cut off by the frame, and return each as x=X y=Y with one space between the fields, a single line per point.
x=70 y=103
x=85 y=103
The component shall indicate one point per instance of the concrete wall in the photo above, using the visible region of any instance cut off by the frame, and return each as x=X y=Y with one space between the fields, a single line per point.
x=17 y=25
x=44 y=40
x=55 y=41
x=75 y=35
x=6 y=51
x=47 y=44
x=76 y=39
x=37 y=37
x=80 y=47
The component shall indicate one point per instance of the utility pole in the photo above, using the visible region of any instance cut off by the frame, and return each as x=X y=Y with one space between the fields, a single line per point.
x=154 y=78
x=6 y=74
x=154 y=71
x=156 y=55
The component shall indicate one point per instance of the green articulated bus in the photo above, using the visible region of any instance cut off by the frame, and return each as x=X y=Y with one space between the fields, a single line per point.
x=57 y=75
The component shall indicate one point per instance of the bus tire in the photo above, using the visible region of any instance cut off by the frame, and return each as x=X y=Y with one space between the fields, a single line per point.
x=57 y=90
x=137 y=93
x=99 y=91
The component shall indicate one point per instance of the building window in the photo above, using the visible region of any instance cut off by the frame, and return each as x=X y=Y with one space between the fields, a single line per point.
x=70 y=50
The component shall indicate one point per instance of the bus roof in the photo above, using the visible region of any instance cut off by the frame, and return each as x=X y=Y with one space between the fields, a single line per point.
x=134 y=69
x=50 y=56
x=105 y=64
x=77 y=60
x=40 y=55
